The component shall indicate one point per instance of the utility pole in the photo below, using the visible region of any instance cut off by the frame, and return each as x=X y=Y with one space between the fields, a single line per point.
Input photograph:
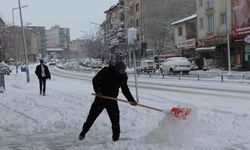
x=228 y=38
x=24 y=43
x=14 y=37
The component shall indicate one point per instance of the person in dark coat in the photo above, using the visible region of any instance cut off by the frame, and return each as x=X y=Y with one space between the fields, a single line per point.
x=43 y=74
x=107 y=83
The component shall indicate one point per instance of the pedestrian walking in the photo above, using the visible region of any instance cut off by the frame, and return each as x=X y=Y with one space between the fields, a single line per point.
x=43 y=74
x=107 y=83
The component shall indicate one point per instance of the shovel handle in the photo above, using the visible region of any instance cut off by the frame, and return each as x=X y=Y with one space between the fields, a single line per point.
x=125 y=101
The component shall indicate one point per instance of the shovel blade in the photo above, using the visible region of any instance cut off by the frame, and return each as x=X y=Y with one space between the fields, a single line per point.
x=180 y=113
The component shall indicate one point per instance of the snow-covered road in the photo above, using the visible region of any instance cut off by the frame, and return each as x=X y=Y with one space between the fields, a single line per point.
x=30 y=121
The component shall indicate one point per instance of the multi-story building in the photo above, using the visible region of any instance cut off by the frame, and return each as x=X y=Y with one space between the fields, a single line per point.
x=211 y=28
x=152 y=20
x=58 y=38
x=15 y=44
x=185 y=36
x=115 y=31
x=78 y=48
x=240 y=40
x=40 y=30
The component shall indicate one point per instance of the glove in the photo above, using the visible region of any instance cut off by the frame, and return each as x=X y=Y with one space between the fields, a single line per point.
x=134 y=103
x=99 y=94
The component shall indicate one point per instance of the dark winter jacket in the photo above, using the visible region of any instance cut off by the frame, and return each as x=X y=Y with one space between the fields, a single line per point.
x=39 y=72
x=107 y=82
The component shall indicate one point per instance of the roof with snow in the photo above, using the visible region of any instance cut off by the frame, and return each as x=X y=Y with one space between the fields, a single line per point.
x=185 y=19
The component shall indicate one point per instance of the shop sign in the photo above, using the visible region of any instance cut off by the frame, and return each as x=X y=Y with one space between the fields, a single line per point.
x=241 y=21
x=186 y=44
x=213 y=41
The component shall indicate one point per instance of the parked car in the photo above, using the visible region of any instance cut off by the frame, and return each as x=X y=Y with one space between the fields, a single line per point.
x=52 y=62
x=5 y=69
x=96 y=63
x=146 y=65
x=175 y=64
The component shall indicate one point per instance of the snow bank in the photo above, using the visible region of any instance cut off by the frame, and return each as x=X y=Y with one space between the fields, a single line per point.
x=173 y=131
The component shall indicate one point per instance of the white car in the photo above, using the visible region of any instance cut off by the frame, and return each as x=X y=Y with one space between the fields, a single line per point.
x=96 y=63
x=175 y=64
x=146 y=65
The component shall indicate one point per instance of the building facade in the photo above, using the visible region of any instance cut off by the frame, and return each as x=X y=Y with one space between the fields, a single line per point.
x=78 y=48
x=241 y=34
x=212 y=25
x=58 y=38
x=40 y=30
x=185 y=36
x=15 y=44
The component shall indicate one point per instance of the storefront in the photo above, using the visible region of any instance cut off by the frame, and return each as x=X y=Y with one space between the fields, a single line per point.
x=241 y=34
x=213 y=49
x=187 y=48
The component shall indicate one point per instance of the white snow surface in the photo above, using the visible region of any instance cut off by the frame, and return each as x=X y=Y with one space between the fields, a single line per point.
x=34 y=122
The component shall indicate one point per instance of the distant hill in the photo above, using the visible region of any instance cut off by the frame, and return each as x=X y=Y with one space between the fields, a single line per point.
x=159 y=14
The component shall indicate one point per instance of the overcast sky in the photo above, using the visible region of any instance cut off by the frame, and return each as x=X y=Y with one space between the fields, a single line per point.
x=73 y=14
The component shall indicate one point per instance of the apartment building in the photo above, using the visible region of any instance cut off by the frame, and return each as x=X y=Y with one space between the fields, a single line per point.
x=15 y=44
x=211 y=28
x=240 y=40
x=58 y=40
x=185 y=36
x=58 y=37
x=40 y=30
x=115 y=31
x=78 y=48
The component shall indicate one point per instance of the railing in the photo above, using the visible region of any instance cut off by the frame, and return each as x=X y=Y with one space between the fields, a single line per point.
x=240 y=77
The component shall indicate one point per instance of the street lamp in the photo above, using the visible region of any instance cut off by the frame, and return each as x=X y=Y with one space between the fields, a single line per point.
x=13 y=9
x=24 y=43
x=14 y=37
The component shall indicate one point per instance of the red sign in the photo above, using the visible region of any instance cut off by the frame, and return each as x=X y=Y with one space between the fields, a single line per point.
x=241 y=19
x=186 y=44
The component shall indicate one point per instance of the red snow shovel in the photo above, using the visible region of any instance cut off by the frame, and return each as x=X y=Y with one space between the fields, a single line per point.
x=177 y=112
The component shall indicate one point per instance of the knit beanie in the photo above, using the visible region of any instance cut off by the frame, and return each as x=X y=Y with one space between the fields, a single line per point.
x=120 y=65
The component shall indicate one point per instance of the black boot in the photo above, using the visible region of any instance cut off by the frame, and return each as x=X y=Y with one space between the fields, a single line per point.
x=81 y=136
x=116 y=133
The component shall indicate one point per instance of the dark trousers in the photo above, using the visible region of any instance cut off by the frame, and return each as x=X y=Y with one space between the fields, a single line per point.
x=96 y=109
x=42 y=84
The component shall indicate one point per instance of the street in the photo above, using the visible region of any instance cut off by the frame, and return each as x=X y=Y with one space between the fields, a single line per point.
x=30 y=121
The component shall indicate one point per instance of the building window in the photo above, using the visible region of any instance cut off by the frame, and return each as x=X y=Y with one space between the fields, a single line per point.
x=180 y=31
x=223 y=18
x=137 y=8
x=210 y=23
x=201 y=23
x=201 y=3
x=210 y=4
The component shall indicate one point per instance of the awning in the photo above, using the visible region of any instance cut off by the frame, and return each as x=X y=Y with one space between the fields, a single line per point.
x=212 y=48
